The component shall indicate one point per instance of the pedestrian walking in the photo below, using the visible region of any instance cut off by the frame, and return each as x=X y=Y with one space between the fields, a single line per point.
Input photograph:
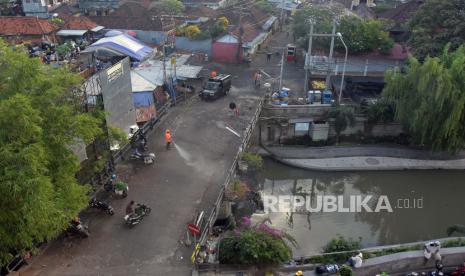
x=268 y=56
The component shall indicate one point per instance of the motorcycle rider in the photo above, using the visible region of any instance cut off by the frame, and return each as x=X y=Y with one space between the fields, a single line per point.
x=130 y=208
x=167 y=138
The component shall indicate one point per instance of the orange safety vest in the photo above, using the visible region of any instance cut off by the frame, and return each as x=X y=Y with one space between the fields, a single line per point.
x=167 y=136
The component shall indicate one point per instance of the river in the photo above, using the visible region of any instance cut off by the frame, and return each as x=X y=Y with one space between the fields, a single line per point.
x=438 y=196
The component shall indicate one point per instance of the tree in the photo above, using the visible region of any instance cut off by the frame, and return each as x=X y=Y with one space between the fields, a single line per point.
x=172 y=7
x=220 y=26
x=257 y=244
x=436 y=23
x=39 y=193
x=360 y=35
x=343 y=117
x=265 y=6
x=345 y=270
x=430 y=99
x=192 y=31
x=383 y=110
x=364 y=35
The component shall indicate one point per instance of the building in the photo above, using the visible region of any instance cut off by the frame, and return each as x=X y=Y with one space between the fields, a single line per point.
x=98 y=7
x=213 y=4
x=399 y=16
x=40 y=8
x=227 y=49
x=79 y=27
x=27 y=29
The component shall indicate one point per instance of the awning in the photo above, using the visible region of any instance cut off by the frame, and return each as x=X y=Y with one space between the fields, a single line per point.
x=98 y=28
x=269 y=23
x=121 y=45
x=71 y=32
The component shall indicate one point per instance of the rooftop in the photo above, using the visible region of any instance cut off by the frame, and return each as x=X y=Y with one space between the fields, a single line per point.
x=78 y=23
x=25 y=25
x=402 y=12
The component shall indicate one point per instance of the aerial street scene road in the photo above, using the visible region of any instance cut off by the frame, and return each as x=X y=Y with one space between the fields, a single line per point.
x=232 y=137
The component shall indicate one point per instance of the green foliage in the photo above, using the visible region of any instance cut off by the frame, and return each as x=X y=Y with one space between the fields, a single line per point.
x=459 y=229
x=253 y=247
x=430 y=99
x=64 y=49
x=364 y=35
x=253 y=160
x=239 y=188
x=383 y=111
x=117 y=136
x=339 y=243
x=359 y=35
x=220 y=27
x=57 y=21
x=345 y=270
x=436 y=23
x=192 y=31
x=120 y=185
x=39 y=193
x=343 y=117
x=264 y=5
x=173 y=7
x=323 y=16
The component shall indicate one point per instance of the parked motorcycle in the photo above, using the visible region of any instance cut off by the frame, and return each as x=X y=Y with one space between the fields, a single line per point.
x=97 y=204
x=117 y=188
x=139 y=213
x=147 y=158
x=77 y=228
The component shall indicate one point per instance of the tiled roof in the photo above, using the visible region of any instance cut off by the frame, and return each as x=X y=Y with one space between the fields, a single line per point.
x=25 y=25
x=252 y=21
x=131 y=16
x=402 y=12
x=78 y=23
x=201 y=12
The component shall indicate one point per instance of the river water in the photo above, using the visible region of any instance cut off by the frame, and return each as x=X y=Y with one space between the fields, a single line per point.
x=438 y=196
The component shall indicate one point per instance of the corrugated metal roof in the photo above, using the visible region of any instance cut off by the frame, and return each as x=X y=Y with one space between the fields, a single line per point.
x=71 y=32
x=140 y=84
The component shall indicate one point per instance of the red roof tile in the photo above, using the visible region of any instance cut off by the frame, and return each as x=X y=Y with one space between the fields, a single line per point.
x=78 y=23
x=25 y=25
x=402 y=12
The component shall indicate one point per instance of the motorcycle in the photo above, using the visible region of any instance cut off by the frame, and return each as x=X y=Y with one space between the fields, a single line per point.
x=111 y=186
x=148 y=158
x=139 y=213
x=97 y=204
x=77 y=228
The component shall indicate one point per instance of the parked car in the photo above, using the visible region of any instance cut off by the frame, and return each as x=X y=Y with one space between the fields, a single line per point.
x=216 y=87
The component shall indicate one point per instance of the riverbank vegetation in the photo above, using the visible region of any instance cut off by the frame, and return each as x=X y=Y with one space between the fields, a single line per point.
x=258 y=244
x=430 y=99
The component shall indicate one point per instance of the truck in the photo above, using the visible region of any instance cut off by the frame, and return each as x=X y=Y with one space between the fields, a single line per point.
x=216 y=87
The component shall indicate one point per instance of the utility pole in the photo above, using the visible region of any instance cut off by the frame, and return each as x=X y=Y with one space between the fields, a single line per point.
x=330 y=58
x=309 y=54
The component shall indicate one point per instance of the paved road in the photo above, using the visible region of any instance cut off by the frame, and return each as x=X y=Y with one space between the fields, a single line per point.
x=183 y=181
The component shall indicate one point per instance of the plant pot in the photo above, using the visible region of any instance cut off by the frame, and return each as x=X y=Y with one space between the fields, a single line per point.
x=243 y=166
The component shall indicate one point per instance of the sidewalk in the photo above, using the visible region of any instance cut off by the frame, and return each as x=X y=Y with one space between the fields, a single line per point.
x=365 y=158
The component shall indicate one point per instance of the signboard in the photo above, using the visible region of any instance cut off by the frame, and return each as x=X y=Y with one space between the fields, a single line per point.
x=173 y=60
x=114 y=72
x=301 y=126
x=193 y=229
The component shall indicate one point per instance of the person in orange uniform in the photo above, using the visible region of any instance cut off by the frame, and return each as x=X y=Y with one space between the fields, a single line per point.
x=168 y=138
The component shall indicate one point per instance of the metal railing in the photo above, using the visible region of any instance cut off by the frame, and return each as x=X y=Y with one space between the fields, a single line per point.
x=207 y=226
